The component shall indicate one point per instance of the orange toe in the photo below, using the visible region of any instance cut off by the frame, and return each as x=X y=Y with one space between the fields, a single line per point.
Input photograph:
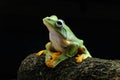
x=41 y=52
x=79 y=59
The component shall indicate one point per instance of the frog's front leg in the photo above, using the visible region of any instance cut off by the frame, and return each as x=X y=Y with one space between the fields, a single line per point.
x=70 y=52
x=82 y=53
x=51 y=55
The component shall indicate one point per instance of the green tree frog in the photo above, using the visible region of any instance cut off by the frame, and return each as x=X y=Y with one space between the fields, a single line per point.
x=63 y=43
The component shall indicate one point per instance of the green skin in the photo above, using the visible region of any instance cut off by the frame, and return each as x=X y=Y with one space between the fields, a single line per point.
x=63 y=40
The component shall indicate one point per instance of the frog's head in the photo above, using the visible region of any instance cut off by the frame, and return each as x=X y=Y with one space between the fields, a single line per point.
x=57 y=26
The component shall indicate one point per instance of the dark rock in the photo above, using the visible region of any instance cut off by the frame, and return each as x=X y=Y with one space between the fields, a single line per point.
x=34 y=68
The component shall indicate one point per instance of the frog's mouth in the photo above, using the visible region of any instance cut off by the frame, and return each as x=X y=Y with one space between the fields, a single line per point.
x=48 y=25
x=52 y=29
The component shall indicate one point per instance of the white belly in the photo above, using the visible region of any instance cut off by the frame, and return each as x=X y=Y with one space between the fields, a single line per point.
x=57 y=41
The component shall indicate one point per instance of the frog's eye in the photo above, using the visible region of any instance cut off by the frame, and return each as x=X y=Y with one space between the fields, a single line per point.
x=60 y=23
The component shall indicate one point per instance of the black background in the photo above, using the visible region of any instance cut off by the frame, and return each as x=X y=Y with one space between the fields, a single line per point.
x=22 y=31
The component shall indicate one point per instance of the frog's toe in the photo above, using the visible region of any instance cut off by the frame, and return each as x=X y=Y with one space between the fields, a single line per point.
x=79 y=58
x=82 y=57
x=41 y=52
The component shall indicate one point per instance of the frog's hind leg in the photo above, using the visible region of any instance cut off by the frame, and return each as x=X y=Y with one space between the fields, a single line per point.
x=41 y=52
x=81 y=57
x=82 y=54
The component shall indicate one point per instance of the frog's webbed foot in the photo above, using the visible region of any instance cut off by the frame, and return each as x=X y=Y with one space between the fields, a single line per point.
x=51 y=62
x=82 y=55
x=79 y=58
x=41 y=52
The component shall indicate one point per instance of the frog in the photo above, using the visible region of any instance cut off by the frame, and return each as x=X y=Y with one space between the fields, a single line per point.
x=63 y=43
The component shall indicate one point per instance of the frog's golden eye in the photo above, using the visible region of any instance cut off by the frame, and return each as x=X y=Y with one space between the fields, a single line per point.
x=59 y=23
